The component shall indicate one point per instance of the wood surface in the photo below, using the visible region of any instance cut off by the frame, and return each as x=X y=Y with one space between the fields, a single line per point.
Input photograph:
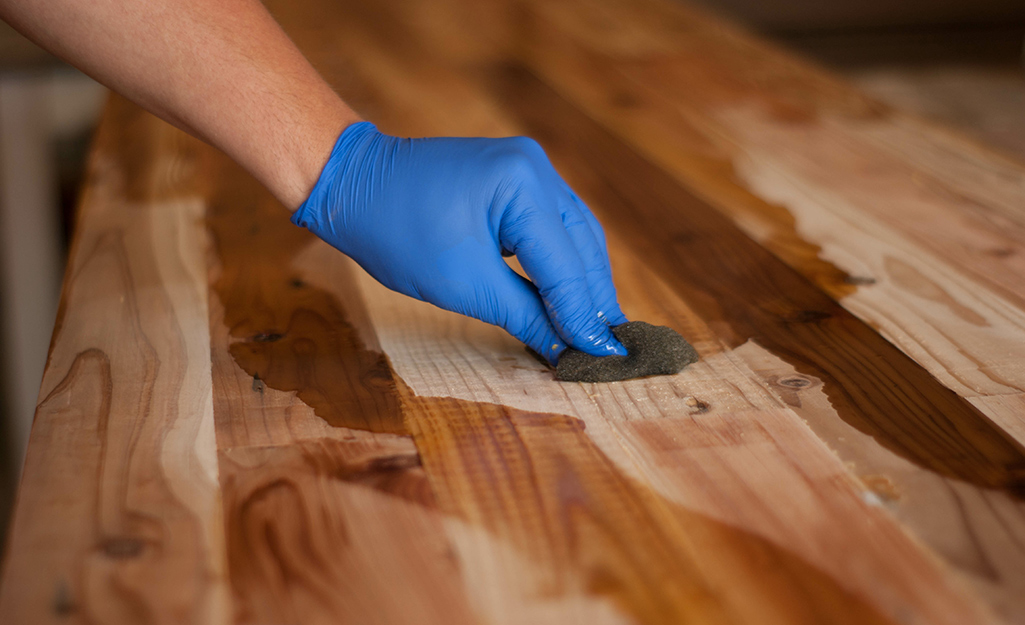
x=237 y=424
x=118 y=519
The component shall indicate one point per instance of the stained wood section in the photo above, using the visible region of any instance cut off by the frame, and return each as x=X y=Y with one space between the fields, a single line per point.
x=538 y=483
x=285 y=333
x=332 y=531
x=848 y=449
x=328 y=514
x=118 y=516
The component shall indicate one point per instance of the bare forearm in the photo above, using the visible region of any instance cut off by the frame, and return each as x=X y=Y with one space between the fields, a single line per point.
x=222 y=70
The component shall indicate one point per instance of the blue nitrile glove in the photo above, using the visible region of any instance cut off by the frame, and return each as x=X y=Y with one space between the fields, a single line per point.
x=431 y=218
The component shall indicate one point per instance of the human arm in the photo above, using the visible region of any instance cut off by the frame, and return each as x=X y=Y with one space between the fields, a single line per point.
x=223 y=71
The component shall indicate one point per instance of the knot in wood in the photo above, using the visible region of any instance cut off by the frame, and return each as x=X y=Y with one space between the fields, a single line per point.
x=794 y=382
x=700 y=406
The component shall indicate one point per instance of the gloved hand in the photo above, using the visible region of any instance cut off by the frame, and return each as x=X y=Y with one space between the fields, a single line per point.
x=431 y=218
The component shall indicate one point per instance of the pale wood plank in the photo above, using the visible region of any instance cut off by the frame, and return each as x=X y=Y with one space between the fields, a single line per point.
x=979 y=532
x=1005 y=410
x=118 y=515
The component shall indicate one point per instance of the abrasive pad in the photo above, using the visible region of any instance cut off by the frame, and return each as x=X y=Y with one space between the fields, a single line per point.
x=651 y=350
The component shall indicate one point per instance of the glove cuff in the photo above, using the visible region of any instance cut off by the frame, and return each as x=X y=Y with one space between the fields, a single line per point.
x=309 y=213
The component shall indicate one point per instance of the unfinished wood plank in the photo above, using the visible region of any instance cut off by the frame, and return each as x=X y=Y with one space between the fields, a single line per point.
x=118 y=515
x=967 y=335
x=976 y=531
x=1007 y=410
x=947 y=271
x=981 y=102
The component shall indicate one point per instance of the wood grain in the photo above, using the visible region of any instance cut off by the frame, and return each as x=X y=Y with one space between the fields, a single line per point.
x=993 y=564
x=769 y=459
x=537 y=482
x=285 y=333
x=923 y=221
x=327 y=512
x=404 y=74
x=328 y=531
x=238 y=424
x=118 y=517
x=730 y=278
x=752 y=142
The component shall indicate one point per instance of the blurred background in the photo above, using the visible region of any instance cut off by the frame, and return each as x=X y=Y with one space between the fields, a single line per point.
x=961 y=62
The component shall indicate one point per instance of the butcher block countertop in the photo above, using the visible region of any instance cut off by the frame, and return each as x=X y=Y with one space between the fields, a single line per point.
x=237 y=425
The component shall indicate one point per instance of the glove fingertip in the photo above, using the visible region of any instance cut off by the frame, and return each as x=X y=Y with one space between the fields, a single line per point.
x=594 y=336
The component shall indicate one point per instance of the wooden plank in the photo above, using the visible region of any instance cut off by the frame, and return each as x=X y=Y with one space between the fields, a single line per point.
x=733 y=280
x=982 y=102
x=118 y=515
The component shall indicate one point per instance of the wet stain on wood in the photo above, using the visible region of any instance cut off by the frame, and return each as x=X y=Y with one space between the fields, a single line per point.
x=63 y=603
x=287 y=334
x=311 y=539
x=746 y=293
x=537 y=482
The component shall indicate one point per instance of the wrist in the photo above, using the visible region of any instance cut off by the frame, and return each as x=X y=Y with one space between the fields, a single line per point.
x=341 y=163
x=310 y=150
